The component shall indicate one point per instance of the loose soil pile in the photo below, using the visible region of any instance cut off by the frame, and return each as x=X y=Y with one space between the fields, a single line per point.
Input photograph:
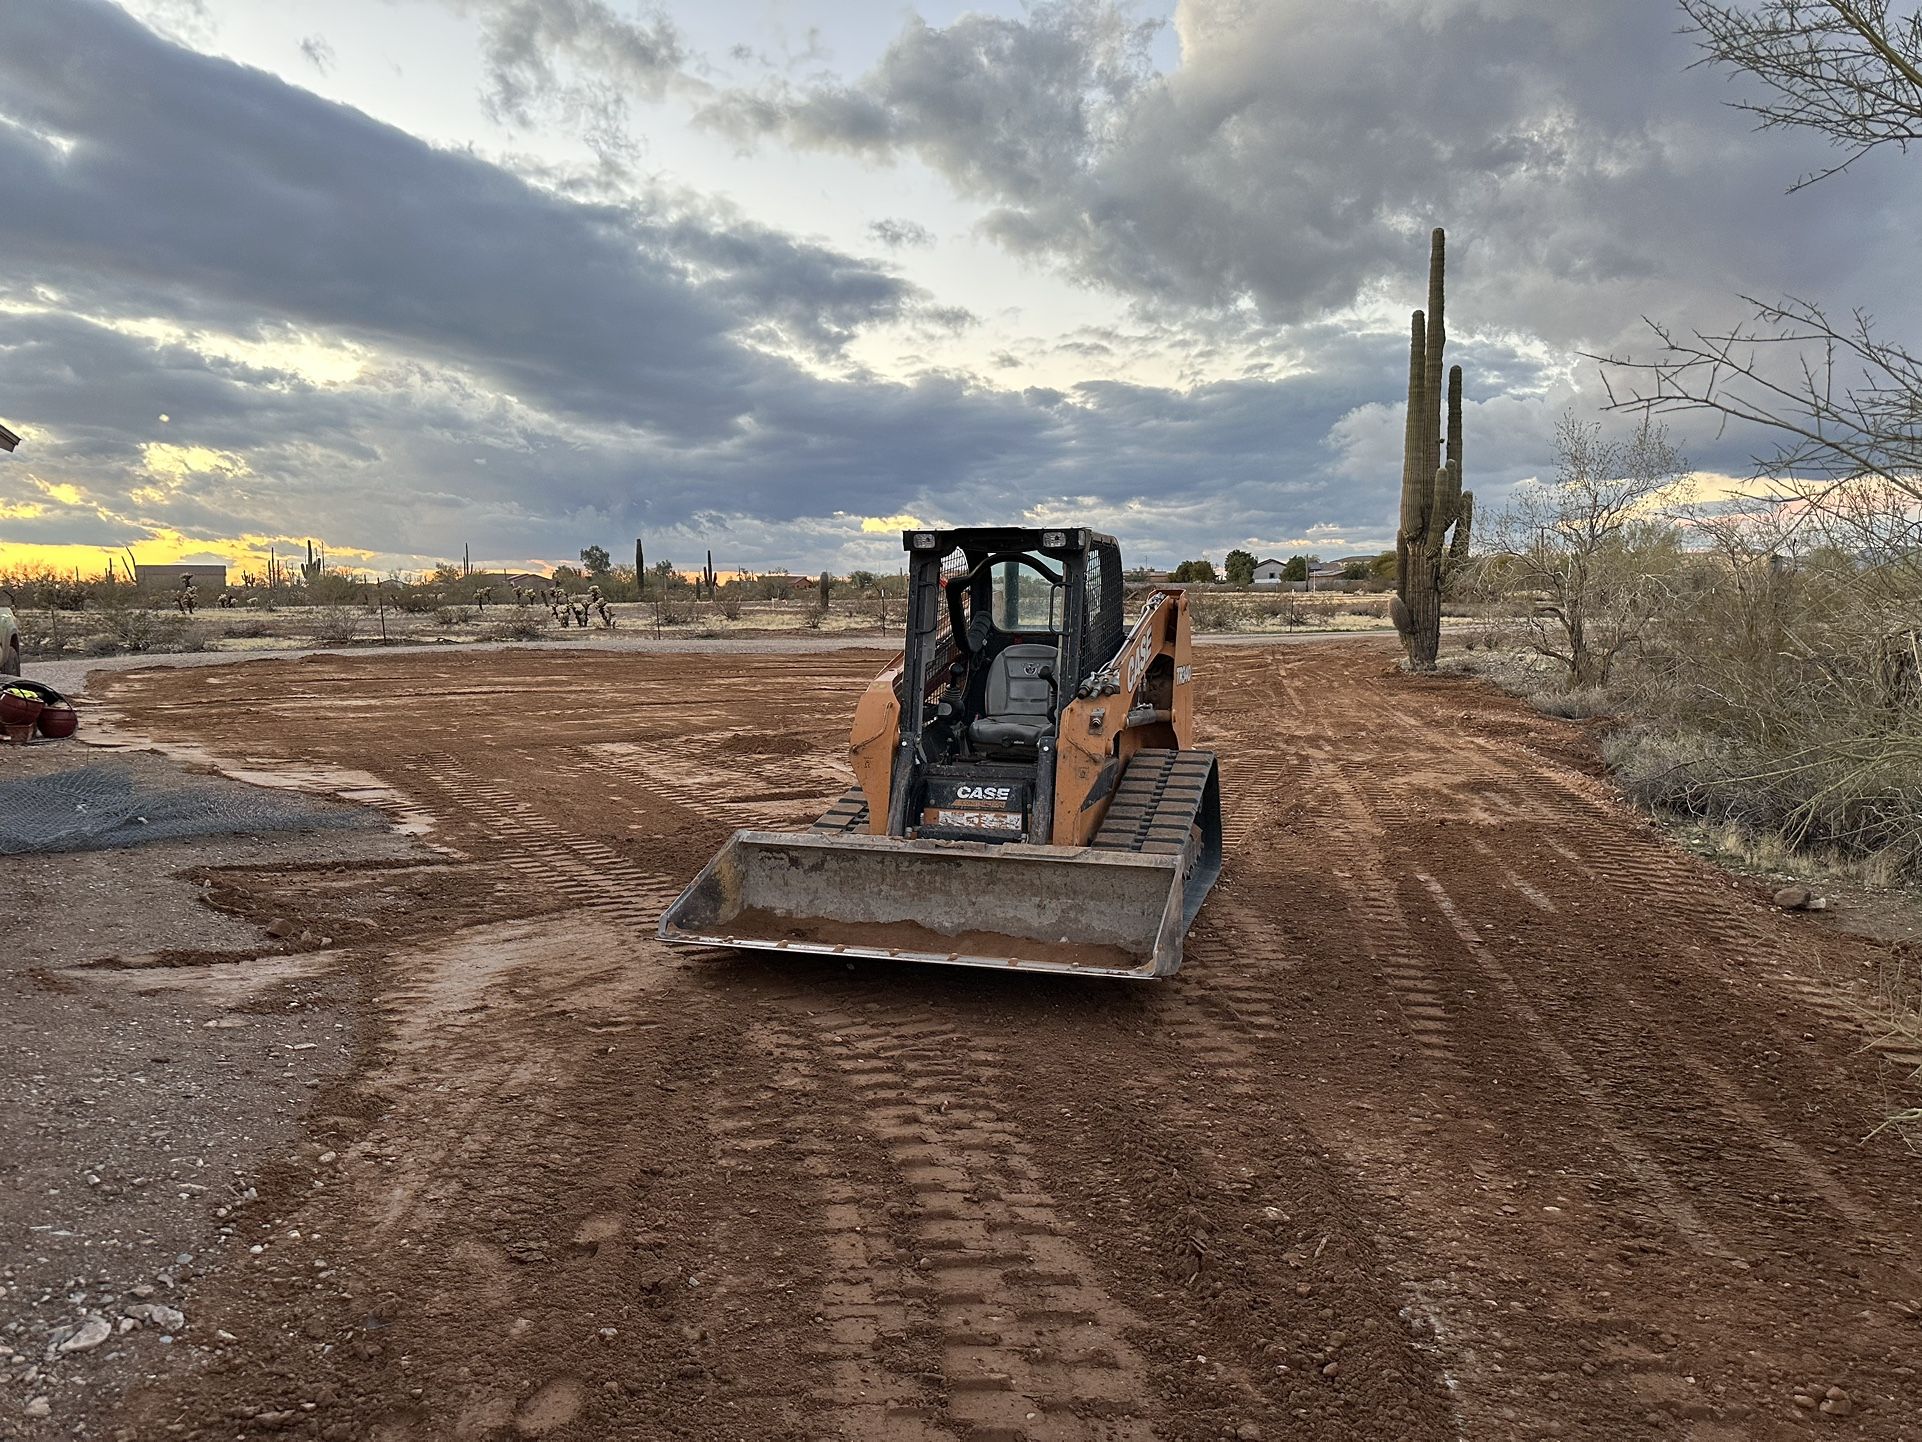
x=1477 y=1111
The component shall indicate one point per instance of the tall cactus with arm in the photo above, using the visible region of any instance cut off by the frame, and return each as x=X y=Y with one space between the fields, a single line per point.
x=1432 y=499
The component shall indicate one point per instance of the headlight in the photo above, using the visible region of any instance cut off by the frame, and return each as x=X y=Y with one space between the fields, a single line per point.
x=925 y=541
x=1054 y=540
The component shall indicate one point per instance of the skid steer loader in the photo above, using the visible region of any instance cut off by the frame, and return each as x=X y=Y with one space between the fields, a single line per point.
x=1025 y=793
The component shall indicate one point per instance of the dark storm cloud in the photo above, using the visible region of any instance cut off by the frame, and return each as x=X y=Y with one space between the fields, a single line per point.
x=900 y=234
x=574 y=60
x=1000 y=105
x=550 y=366
x=169 y=182
x=395 y=462
x=1301 y=150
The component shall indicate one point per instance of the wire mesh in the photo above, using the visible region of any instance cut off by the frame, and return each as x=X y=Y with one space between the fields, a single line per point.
x=96 y=808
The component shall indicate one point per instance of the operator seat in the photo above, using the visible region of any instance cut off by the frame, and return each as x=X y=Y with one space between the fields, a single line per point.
x=1014 y=703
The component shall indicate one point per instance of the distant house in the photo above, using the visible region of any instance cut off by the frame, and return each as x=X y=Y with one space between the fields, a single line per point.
x=209 y=581
x=1268 y=573
x=1336 y=575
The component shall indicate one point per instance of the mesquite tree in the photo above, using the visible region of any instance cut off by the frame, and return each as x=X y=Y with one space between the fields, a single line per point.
x=1594 y=546
x=1432 y=498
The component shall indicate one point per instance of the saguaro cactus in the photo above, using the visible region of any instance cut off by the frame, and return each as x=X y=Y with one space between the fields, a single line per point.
x=1432 y=498
x=311 y=568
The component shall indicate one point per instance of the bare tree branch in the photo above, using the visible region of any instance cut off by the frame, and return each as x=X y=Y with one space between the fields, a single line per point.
x=1843 y=68
x=1591 y=546
x=1844 y=405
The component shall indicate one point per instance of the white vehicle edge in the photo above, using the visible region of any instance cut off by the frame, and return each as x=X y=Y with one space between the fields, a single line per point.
x=9 y=643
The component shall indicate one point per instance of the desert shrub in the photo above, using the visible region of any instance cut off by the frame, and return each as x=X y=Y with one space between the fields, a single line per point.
x=331 y=588
x=335 y=625
x=1664 y=771
x=517 y=623
x=1523 y=673
x=672 y=613
x=1575 y=704
x=1774 y=695
x=127 y=629
x=1860 y=796
x=1377 y=609
x=1260 y=610
x=1209 y=614
x=1486 y=638
x=452 y=615
x=813 y=617
x=730 y=604
x=248 y=630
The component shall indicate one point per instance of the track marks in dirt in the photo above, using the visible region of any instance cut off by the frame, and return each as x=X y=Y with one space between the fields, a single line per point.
x=1546 y=1061
x=708 y=776
x=1661 y=1189
x=982 y=1272
x=1333 y=1139
x=572 y=865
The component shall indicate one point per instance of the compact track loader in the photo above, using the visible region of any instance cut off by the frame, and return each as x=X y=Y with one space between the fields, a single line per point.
x=1025 y=793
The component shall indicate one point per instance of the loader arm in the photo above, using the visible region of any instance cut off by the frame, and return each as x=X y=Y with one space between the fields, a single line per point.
x=1144 y=697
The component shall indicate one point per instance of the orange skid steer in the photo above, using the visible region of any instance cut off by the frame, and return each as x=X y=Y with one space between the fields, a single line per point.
x=1026 y=794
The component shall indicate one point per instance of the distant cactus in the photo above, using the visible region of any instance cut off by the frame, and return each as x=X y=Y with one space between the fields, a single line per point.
x=315 y=563
x=466 y=562
x=1432 y=498
x=825 y=583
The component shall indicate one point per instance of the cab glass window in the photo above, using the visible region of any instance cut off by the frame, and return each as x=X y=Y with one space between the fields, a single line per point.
x=1024 y=599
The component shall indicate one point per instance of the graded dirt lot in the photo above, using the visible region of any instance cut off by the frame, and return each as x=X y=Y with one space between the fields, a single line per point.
x=1478 y=1111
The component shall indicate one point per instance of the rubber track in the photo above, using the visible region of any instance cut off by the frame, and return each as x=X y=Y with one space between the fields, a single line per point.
x=850 y=813
x=1155 y=805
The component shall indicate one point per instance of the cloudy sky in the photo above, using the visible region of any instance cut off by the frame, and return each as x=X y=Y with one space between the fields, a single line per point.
x=771 y=275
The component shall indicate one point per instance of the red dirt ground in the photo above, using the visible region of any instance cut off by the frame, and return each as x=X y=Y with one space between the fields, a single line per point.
x=1477 y=1110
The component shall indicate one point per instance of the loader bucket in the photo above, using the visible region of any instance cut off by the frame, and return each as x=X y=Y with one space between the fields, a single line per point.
x=1034 y=908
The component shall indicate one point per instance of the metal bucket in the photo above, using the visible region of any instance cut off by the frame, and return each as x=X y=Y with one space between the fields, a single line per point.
x=1075 y=910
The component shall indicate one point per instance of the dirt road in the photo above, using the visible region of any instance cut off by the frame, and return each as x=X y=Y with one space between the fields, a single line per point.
x=1477 y=1111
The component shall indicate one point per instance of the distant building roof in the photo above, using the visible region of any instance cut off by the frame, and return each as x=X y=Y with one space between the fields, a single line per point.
x=171 y=575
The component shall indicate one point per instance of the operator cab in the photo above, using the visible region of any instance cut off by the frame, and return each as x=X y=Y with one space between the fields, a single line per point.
x=1004 y=625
